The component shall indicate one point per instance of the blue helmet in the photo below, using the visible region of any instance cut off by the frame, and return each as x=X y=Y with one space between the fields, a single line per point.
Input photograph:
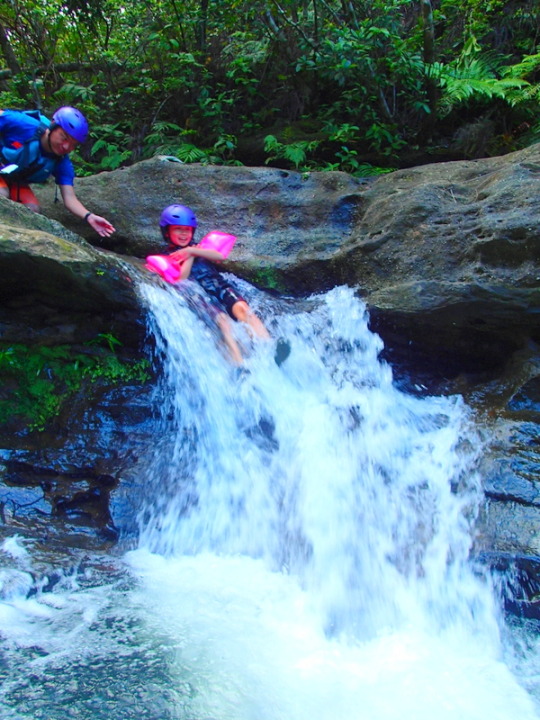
x=178 y=215
x=71 y=121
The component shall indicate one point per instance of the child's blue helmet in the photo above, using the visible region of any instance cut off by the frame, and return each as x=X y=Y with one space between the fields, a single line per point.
x=178 y=215
x=71 y=121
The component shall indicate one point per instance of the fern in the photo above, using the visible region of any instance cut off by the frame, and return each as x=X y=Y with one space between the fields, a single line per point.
x=73 y=93
x=189 y=153
x=474 y=78
x=528 y=93
x=528 y=65
x=160 y=132
x=294 y=152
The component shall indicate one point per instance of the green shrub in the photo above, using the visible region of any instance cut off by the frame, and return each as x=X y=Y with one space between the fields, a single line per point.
x=38 y=380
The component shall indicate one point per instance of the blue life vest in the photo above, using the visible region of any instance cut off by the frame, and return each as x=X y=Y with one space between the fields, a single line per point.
x=33 y=165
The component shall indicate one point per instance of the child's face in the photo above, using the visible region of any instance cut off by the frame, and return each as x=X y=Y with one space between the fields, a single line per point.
x=180 y=235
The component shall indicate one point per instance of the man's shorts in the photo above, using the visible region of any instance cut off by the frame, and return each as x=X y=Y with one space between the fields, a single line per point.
x=18 y=192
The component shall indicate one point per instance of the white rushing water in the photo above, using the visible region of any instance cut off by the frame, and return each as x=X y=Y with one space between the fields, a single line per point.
x=303 y=552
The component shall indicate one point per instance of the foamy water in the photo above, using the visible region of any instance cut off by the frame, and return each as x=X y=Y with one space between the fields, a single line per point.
x=303 y=554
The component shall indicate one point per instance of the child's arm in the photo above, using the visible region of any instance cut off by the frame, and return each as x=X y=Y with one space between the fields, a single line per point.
x=193 y=251
x=186 y=256
x=185 y=268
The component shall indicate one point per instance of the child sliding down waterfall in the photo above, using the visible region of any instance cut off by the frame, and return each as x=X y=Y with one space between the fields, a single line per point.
x=195 y=261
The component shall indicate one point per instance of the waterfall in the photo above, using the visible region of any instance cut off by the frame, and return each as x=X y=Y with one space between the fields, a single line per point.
x=305 y=533
x=320 y=467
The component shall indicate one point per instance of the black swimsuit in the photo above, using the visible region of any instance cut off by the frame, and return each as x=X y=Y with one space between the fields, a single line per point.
x=215 y=285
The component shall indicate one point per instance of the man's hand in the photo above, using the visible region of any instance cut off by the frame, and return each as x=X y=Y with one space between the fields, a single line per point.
x=102 y=226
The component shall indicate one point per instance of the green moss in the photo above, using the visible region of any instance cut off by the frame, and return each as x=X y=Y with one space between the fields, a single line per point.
x=268 y=278
x=37 y=381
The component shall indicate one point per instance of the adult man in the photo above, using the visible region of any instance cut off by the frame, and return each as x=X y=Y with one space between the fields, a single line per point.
x=32 y=148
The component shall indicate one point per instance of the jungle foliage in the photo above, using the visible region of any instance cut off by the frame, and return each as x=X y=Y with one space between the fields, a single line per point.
x=356 y=85
x=38 y=380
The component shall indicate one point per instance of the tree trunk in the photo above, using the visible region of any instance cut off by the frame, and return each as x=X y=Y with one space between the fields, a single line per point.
x=201 y=26
x=8 y=52
x=429 y=59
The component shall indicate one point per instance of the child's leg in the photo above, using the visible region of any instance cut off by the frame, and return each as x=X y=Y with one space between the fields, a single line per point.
x=224 y=324
x=243 y=313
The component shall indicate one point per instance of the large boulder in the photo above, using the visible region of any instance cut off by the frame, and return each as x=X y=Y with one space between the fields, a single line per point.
x=279 y=216
x=446 y=256
x=53 y=283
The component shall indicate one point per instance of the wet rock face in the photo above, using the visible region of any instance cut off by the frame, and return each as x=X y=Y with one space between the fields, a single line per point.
x=58 y=481
x=76 y=480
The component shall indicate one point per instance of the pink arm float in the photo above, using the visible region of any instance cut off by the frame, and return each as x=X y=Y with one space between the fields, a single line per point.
x=169 y=269
x=163 y=265
x=220 y=241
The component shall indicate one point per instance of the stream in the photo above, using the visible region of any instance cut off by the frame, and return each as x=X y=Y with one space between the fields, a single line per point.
x=303 y=547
